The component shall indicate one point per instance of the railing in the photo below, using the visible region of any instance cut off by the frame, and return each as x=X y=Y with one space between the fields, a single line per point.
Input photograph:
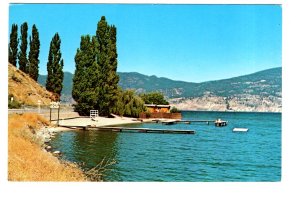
x=93 y=114
x=45 y=112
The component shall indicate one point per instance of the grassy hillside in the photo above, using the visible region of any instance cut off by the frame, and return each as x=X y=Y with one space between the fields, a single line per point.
x=25 y=90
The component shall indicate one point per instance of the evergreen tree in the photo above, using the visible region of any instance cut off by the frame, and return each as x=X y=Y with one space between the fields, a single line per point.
x=54 y=82
x=13 y=45
x=33 y=61
x=23 y=63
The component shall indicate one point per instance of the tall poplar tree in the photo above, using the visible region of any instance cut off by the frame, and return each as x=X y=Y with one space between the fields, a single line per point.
x=81 y=64
x=33 y=61
x=106 y=36
x=112 y=77
x=54 y=82
x=13 y=45
x=83 y=91
x=95 y=83
x=23 y=62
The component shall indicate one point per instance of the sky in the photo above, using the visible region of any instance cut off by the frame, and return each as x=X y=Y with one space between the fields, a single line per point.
x=192 y=43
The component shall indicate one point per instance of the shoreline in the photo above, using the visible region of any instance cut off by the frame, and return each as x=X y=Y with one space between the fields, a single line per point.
x=230 y=111
x=95 y=122
x=46 y=133
x=28 y=157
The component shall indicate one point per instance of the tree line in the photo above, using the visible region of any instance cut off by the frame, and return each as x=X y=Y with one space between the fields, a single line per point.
x=29 y=64
x=95 y=81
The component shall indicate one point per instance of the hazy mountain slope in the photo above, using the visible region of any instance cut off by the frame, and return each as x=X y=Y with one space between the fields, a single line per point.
x=260 y=91
x=260 y=83
x=267 y=82
x=67 y=82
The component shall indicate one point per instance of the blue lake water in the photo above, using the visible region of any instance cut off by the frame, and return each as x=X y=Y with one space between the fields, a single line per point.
x=212 y=154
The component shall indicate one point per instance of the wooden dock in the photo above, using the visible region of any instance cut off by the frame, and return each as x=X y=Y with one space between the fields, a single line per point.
x=128 y=129
x=217 y=122
x=195 y=121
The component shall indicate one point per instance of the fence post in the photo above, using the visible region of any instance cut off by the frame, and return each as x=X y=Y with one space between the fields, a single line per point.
x=58 y=115
x=50 y=113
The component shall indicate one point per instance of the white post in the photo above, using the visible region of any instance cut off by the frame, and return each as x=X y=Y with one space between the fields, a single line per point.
x=39 y=106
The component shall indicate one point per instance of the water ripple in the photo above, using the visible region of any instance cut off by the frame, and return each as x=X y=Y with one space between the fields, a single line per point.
x=212 y=154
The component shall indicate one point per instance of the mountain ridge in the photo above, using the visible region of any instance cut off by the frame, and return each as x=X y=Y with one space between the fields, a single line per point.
x=175 y=89
x=258 y=91
x=163 y=77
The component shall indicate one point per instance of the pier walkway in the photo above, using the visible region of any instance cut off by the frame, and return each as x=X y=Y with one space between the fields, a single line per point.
x=217 y=122
x=126 y=129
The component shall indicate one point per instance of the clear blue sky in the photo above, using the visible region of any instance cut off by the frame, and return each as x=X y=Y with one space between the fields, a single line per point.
x=193 y=43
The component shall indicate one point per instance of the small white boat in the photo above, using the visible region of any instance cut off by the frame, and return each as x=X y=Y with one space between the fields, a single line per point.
x=240 y=129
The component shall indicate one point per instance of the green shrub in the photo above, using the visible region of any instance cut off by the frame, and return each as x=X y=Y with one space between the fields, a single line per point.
x=174 y=110
x=128 y=104
x=14 y=103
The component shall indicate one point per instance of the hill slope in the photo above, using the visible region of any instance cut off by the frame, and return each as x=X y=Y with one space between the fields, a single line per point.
x=260 y=91
x=265 y=83
x=25 y=90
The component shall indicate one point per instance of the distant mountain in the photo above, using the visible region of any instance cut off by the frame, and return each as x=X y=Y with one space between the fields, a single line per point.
x=266 y=82
x=67 y=82
x=257 y=91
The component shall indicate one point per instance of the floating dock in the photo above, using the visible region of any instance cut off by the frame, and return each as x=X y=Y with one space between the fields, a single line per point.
x=240 y=130
x=126 y=129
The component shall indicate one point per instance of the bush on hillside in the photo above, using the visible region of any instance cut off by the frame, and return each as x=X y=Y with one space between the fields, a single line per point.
x=13 y=103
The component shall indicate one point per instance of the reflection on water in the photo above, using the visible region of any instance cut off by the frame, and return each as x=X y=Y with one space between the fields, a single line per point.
x=212 y=154
x=87 y=148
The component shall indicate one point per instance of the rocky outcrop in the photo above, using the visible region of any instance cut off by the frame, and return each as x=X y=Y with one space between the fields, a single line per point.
x=249 y=103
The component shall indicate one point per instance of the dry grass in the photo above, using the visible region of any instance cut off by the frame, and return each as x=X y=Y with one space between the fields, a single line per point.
x=96 y=173
x=25 y=89
x=26 y=159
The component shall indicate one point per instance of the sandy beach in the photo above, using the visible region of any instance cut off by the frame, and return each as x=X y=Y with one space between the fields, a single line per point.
x=98 y=121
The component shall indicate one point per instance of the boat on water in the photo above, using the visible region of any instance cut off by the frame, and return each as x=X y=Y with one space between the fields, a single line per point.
x=220 y=123
x=240 y=129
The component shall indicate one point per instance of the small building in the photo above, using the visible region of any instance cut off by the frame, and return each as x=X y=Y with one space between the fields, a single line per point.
x=153 y=108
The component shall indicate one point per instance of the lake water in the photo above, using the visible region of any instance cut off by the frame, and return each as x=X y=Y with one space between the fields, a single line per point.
x=212 y=154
